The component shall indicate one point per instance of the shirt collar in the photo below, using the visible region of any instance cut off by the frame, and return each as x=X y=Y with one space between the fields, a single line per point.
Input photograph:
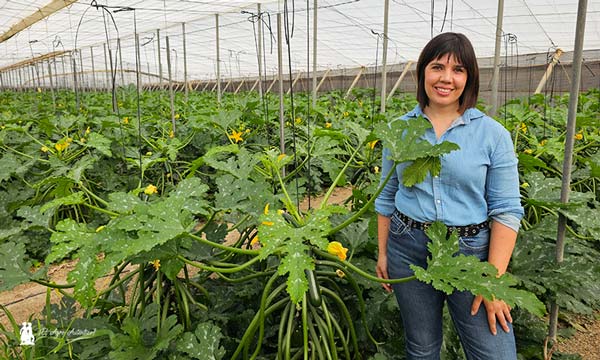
x=469 y=115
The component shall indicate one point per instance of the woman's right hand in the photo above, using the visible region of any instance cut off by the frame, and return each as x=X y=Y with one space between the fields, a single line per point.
x=381 y=271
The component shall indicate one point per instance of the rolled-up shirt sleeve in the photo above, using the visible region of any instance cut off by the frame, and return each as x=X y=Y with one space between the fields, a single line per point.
x=502 y=184
x=385 y=202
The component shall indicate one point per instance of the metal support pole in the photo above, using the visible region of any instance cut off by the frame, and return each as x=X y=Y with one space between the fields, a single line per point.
x=218 y=59
x=81 y=82
x=315 y=87
x=93 y=68
x=75 y=86
x=121 y=61
x=64 y=73
x=55 y=74
x=360 y=72
x=280 y=76
x=259 y=52
x=185 y=69
x=1 y=80
x=496 y=74
x=402 y=75
x=20 y=80
x=548 y=72
x=569 y=142
x=51 y=86
x=171 y=95
x=160 y=77
x=386 y=12
x=106 y=67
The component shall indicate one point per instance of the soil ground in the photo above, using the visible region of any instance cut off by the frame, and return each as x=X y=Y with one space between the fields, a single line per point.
x=27 y=300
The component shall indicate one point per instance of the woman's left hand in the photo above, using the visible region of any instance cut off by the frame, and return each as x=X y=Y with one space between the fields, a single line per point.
x=497 y=311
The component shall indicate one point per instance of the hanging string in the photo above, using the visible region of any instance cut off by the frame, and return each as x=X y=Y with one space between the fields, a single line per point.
x=432 y=12
x=308 y=101
x=288 y=35
x=444 y=20
x=375 y=85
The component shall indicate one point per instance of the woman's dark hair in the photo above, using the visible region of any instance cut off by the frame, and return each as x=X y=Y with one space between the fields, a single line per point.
x=460 y=47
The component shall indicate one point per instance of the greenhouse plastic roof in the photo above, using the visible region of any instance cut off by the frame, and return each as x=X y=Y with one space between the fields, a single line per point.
x=347 y=31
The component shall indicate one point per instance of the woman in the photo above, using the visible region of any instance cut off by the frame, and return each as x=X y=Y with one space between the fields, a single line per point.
x=477 y=191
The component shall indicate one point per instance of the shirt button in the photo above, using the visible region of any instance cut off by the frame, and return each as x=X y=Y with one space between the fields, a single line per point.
x=438 y=201
x=436 y=176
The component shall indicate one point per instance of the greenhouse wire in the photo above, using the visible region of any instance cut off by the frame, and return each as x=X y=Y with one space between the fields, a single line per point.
x=308 y=100
x=288 y=37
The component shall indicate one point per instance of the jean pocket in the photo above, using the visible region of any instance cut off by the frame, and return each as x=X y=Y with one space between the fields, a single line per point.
x=397 y=226
x=477 y=245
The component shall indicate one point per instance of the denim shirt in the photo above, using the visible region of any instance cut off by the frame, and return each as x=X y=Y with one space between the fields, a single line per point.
x=478 y=182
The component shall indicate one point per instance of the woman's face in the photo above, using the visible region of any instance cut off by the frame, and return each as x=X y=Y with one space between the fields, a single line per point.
x=445 y=81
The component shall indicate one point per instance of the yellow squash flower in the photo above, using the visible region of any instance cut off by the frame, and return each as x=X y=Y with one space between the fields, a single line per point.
x=543 y=142
x=125 y=120
x=328 y=125
x=88 y=130
x=523 y=128
x=578 y=136
x=376 y=169
x=45 y=149
x=298 y=120
x=266 y=211
x=346 y=114
x=336 y=248
x=62 y=145
x=254 y=241
x=177 y=116
x=372 y=144
x=528 y=151
x=268 y=223
x=150 y=189
x=280 y=157
x=236 y=136
x=156 y=264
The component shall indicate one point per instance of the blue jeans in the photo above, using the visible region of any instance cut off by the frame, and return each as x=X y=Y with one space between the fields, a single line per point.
x=421 y=305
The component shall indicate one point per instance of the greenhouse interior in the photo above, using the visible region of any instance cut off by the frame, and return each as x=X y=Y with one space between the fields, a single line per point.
x=200 y=179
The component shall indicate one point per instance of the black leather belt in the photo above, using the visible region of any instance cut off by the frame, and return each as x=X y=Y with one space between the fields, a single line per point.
x=463 y=231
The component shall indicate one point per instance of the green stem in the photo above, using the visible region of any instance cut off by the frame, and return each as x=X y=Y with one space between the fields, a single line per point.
x=337 y=179
x=367 y=205
x=52 y=284
x=292 y=208
x=107 y=212
x=91 y=193
x=357 y=270
x=219 y=270
x=223 y=247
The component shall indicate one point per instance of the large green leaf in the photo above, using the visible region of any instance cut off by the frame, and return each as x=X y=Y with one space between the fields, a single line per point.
x=449 y=271
x=14 y=270
x=203 y=343
x=276 y=234
x=99 y=142
x=545 y=191
x=141 y=340
x=405 y=141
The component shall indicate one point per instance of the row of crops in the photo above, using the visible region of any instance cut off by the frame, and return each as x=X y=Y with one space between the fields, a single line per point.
x=195 y=229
